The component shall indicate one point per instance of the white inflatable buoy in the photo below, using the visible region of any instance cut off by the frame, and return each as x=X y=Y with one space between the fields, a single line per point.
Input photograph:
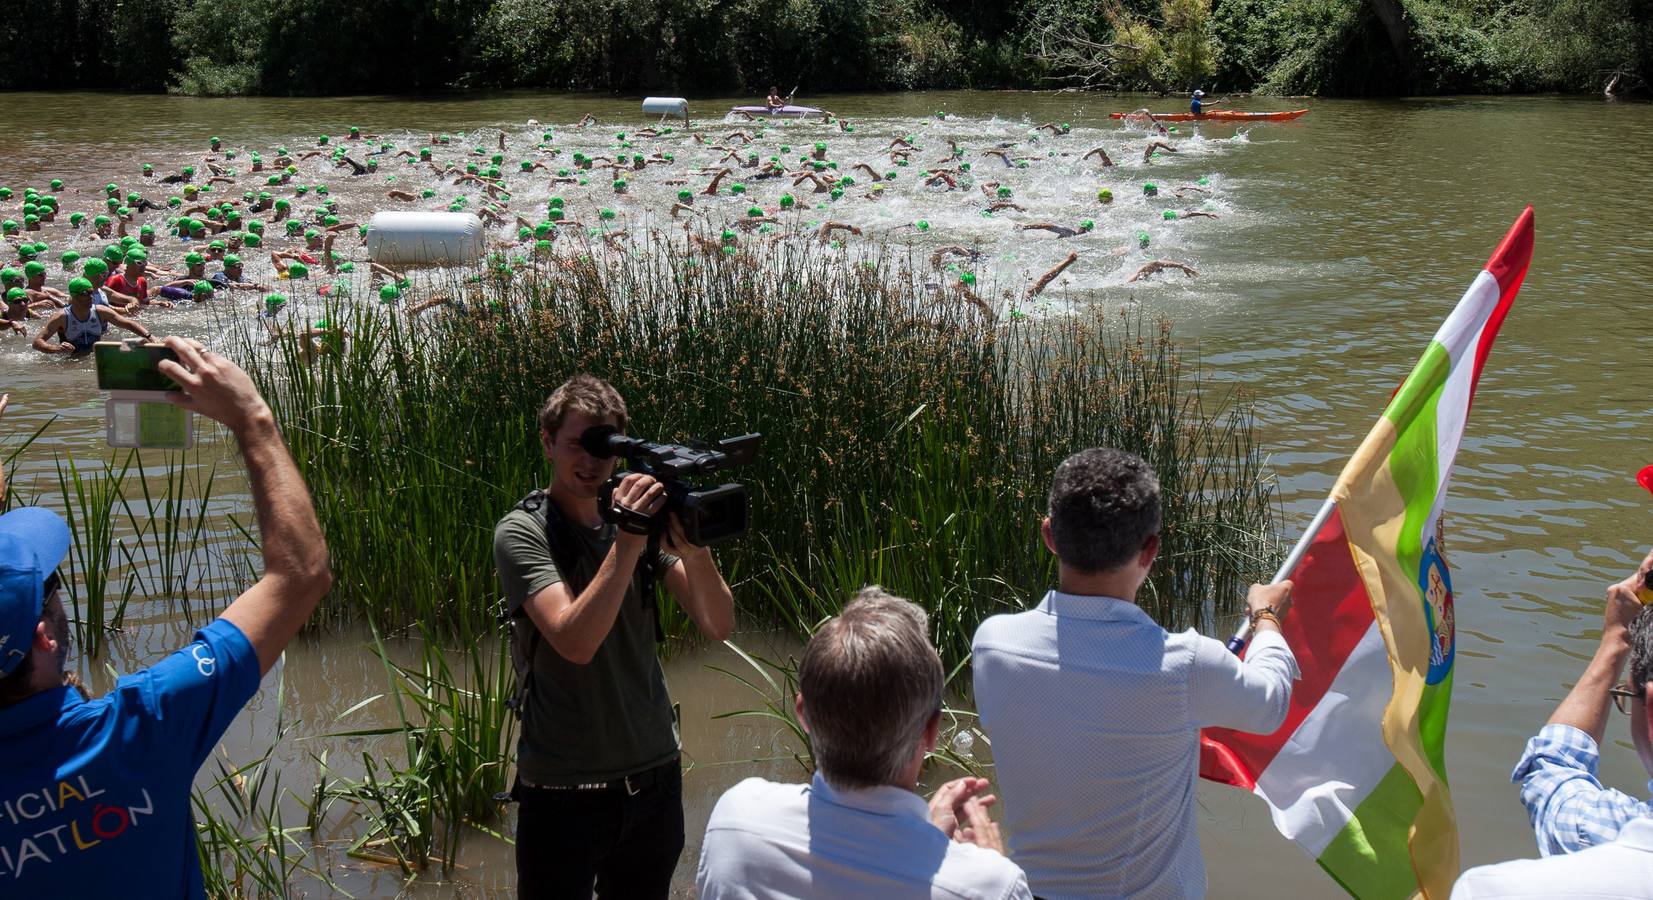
x=667 y=106
x=425 y=238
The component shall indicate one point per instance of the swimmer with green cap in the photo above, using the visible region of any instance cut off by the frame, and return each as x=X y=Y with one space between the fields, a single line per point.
x=83 y=324
x=17 y=310
x=34 y=281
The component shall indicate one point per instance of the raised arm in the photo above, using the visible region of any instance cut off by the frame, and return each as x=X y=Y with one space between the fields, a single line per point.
x=296 y=570
x=1585 y=706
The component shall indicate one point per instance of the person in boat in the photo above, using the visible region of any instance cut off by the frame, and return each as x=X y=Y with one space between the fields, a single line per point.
x=1198 y=103
x=774 y=100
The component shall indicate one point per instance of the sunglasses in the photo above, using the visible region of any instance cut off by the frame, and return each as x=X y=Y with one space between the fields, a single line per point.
x=1624 y=698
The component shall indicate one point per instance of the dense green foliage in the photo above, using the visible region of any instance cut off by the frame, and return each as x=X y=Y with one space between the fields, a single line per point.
x=702 y=46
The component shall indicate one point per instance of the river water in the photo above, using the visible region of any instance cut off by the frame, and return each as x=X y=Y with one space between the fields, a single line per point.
x=1341 y=242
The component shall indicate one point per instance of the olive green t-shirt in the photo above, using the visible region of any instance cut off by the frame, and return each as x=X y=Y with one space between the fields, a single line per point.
x=601 y=721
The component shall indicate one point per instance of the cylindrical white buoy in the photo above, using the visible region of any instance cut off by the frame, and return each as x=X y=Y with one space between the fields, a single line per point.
x=425 y=238
x=666 y=106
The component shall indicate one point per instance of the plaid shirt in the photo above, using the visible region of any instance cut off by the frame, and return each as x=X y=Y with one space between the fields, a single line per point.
x=1566 y=803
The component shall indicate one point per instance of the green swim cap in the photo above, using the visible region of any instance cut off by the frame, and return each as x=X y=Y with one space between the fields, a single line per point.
x=255 y=227
x=57 y=184
x=95 y=266
x=1004 y=192
x=355 y=130
x=76 y=218
x=297 y=270
x=1105 y=195
x=967 y=278
x=922 y=225
x=787 y=201
x=78 y=286
x=111 y=188
x=346 y=267
x=150 y=170
x=554 y=202
x=252 y=239
x=728 y=236
x=231 y=261
x=322 y=140
x=5 y=193
x=1169 y=214
x=113 y=253
x=294 y=226
x=273 y=302
x=31 y=219
x=1150 y=189
x=330 y=221
x=1086 y=225
x=33 y=268
x=196 y=225
x=619 y=184
x=1142 y=238
x=216 y=245
x=11 y=225
x=686 y=196
x=606 y=213
x=310 y=233
x=754 y=211
x=737 y=188
x=389 y=293
x=9 y=275
x=137 y=255
x=16 y=295
x=201 y=287
x=820 y=148
x=69 y=258
x=147 y=229
x=194 y=259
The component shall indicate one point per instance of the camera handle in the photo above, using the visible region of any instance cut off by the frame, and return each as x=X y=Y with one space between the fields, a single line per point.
x=630 y=520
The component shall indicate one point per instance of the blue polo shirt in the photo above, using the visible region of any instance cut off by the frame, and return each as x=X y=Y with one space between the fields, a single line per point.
x=94 y=796
x=1194 y=106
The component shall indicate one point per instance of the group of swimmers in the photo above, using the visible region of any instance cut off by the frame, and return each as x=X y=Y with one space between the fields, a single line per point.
x=140 y=253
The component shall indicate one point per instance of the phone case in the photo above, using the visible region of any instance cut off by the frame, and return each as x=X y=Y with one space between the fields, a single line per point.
x=145 y=419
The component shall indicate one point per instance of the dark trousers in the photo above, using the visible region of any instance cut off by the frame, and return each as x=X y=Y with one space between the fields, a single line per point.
x=620 y=844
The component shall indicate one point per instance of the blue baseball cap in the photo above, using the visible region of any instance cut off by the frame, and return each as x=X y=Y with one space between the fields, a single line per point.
x=33 y=543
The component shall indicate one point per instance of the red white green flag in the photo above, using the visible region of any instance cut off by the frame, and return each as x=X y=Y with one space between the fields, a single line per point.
x=1357 y=774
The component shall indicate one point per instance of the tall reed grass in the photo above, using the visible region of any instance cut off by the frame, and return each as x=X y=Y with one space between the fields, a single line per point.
x=908 y=439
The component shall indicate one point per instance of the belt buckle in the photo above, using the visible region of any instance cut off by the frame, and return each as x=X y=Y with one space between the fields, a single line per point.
x=630 y=791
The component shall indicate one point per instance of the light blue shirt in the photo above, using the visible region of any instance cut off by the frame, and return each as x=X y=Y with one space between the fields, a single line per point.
x=1569 y=808
x=1094 y=711
x=769 y=840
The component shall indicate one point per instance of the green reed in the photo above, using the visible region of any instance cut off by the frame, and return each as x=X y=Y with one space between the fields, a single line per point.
x=908 y=439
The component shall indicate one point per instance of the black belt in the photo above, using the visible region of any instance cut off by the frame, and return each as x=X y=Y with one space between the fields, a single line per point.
x=632 y=784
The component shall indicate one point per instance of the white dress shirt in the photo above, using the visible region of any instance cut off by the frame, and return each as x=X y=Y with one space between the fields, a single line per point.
x=1094 y=712
x=1621 y=870
x=768 y=840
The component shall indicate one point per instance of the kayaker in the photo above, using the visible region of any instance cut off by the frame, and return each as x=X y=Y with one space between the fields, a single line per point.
x=1199 y=102
x=774 y=101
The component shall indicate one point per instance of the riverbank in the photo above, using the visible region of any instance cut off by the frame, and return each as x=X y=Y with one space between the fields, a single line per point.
x=1352 y=234
x=316 y=48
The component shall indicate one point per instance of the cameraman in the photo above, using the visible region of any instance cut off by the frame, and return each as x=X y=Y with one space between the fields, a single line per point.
x=598 y=780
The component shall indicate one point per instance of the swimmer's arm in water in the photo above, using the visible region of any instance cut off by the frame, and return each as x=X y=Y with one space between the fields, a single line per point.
x=827 y=228
x=1098 y=151
x=998 y=205
x=1058 y=230
x=1199 y=214
x=1001 y=154
x=1160 y=265
x=1148 y=152
x=871 y=172
x=53 y=328
x=404 y=196
x=587 y=119
x=711 y=189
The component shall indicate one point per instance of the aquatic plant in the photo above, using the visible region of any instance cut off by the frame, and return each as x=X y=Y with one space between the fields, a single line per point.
x=908 y=437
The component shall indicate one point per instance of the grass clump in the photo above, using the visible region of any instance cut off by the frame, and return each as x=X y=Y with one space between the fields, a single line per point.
x=908 y=439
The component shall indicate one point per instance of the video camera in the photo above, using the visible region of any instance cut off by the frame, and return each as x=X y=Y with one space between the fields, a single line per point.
x=710 y=515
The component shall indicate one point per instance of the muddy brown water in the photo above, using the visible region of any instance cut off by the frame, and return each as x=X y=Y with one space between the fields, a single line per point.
x=1343 y=240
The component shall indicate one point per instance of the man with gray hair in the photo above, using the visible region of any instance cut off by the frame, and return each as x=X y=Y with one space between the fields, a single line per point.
x=1095 y=710
x=869 y=695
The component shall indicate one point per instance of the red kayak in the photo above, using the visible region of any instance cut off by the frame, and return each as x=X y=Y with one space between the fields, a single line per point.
x=1221 y=115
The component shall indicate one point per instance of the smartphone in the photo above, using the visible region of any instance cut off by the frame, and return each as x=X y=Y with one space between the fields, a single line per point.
x=132 y=366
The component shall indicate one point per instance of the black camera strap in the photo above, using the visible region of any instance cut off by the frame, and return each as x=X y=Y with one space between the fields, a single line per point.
x=565 y=547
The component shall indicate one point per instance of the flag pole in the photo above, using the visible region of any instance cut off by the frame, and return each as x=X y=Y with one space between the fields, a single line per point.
x=1243 y=633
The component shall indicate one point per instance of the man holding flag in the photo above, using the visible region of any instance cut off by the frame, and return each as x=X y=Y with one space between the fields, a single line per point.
x=1357 y=774
x=1095 y=710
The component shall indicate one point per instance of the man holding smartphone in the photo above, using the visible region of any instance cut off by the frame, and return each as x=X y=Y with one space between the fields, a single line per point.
x=599 y=786
x=95 y=792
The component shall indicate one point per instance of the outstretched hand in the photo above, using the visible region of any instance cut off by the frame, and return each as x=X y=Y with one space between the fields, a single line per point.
x=1622 y=604
x=213 y=386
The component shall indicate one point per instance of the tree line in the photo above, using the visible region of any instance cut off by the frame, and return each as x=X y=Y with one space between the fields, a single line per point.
x=1329 y=47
